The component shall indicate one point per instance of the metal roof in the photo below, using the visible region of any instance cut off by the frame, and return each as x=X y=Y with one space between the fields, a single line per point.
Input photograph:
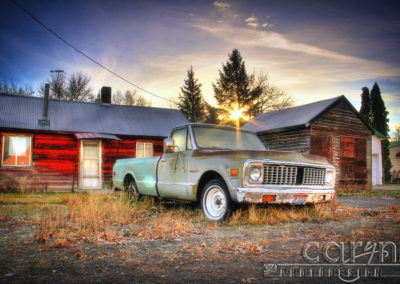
x=69 y=116
x=298 y=116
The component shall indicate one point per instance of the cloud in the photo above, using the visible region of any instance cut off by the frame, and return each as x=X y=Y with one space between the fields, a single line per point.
x=266 y=25
x=251 y=19
x=254 y=38
x=222 y=5
x=253 y=24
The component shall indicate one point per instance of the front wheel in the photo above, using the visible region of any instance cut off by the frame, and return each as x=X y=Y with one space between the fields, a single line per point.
x=131 y=188
x=215 y=200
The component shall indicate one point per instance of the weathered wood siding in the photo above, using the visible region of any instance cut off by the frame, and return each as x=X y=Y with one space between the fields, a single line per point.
x=341 y=119
x=341 y=137
x=295 y=140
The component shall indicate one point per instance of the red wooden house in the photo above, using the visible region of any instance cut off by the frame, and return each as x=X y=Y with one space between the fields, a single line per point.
x=68 y=145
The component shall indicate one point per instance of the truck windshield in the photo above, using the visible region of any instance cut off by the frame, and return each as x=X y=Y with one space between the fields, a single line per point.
x=222 y=138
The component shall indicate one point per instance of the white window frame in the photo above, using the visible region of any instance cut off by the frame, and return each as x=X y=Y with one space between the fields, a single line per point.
x=144 y=149
x=4 y=135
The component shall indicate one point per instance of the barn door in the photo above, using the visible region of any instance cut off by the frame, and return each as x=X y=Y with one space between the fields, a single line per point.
x=90 y=172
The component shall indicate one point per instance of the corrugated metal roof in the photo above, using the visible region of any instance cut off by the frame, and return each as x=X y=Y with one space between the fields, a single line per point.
x=291 y=117
x=87 y=135
x=70 y=116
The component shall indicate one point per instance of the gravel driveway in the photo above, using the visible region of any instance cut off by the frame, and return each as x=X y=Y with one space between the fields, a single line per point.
x=368 y=202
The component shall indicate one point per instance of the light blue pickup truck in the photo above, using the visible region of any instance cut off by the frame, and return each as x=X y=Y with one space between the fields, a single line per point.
x=219 y=165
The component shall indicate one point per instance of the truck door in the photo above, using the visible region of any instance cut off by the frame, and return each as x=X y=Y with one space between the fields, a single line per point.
x=173 y=167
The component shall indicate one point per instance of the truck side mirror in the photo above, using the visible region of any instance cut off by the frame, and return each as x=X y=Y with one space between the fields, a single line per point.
x=169 y=145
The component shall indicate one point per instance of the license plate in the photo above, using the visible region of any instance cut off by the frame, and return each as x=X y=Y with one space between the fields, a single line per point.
x=298 y=200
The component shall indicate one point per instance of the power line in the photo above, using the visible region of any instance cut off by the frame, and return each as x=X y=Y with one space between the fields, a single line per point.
x=82 y=53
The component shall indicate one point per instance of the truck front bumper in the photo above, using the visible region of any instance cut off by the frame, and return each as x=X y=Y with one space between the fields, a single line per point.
x=284 y=196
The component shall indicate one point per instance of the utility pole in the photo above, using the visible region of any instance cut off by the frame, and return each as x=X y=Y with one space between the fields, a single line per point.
x=58 y=81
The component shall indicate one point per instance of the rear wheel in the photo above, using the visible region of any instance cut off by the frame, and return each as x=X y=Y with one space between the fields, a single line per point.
x=215 y=200
x=131 y=188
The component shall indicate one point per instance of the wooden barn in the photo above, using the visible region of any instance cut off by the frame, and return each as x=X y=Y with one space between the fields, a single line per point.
x=70 y=146
x=331 y=128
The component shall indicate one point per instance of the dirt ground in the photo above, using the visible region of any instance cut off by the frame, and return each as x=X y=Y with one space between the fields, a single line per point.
x=209 y=253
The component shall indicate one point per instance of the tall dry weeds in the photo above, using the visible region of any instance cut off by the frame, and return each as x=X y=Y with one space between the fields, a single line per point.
x=90 y=217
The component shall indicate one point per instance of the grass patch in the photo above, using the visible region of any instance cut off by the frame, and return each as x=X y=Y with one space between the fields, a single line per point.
x=36 y=198
x=256 y=214
x=112 y=217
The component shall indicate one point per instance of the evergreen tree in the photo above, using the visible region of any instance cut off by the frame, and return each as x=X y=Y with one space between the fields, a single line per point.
x=380 y=121
x=211 y=114
x=232 y=89
x=365 y=110
x=190 y=99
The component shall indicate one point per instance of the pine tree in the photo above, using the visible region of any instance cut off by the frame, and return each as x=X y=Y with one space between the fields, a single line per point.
x=232 y=89
x=191 y=100
x=380 y=122
x=365 y=110
x=211 y=115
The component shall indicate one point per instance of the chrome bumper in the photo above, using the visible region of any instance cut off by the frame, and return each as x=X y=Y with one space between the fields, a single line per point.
x=284 y=196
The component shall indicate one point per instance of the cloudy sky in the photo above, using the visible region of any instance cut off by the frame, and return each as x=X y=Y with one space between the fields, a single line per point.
x=313 y=50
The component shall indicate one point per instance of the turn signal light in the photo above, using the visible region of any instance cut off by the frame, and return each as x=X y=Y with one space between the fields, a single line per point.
x=234 y=172
x=267 y=198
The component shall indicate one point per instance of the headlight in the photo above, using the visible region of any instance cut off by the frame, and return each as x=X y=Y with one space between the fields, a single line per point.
x=328 y=177
x=255 y=174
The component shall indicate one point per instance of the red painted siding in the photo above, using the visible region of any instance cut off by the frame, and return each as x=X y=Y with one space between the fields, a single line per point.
x=54 y=162
x=56 y=159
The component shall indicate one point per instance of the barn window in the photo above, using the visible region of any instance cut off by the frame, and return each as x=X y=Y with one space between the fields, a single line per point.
x=347 y=147
x=17 y=151
x=144 y=149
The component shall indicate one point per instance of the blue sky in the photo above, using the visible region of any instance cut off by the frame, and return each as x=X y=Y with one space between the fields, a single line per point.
x=313 y=50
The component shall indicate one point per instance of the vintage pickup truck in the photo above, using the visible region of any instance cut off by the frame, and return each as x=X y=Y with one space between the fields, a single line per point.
x=219 y=165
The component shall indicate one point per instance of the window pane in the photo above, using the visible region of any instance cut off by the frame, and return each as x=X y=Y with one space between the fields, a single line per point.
x=139 y=149
x=179 y=137
x=90 y=151
x=17 y=151
x=9 y=158
x=23 y=151
x=90 y=182
x=90 y=168
x=148 y=149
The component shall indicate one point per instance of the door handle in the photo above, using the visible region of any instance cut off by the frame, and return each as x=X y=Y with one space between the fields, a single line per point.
x=162 y=160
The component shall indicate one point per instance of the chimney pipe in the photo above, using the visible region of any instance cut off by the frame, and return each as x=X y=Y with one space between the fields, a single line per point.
x=44 y=122
x=46 y=101
x=105 y=95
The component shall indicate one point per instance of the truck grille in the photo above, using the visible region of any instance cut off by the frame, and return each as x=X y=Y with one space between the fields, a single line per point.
x=293 y=175
x=314 y=176
x=285 y=175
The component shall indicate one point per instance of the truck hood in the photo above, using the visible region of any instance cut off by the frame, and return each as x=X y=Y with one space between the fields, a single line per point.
x=263 y=155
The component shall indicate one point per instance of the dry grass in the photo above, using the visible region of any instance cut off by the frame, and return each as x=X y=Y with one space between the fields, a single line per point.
x=110 y=217
x=88 y=217
x=37 y=198
x=257 y=214
x=395 y=211
x=64 y=218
